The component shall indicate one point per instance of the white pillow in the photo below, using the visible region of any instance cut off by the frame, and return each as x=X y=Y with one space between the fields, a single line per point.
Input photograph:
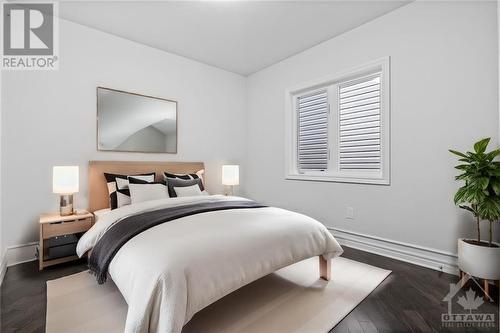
x=188 y=191
x=98 y=214
x=147 y=192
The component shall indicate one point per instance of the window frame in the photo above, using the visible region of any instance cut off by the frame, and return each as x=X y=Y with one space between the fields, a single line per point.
x=333 y=174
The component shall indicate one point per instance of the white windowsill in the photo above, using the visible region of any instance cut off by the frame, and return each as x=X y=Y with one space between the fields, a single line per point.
x=338 y=179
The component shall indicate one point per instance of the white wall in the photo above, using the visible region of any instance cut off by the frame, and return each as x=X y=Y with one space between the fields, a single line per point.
x=444 y=62
x=2 y=251
x=50 y=118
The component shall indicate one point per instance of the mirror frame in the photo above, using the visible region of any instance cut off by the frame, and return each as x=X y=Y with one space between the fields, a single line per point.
x=141 y=95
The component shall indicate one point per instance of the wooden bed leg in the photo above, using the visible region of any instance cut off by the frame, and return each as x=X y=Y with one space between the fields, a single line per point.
x=325 y=269
x=462 y=275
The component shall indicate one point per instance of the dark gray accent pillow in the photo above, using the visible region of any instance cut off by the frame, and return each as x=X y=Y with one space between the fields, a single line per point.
x=177 y=182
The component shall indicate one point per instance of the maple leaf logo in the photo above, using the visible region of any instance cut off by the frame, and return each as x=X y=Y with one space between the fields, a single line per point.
x=470 y=301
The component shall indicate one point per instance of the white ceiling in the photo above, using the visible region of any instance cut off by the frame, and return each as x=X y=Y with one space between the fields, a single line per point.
x=239 y=36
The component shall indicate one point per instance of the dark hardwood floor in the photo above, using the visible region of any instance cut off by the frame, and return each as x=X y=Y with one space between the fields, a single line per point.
x=409 y=300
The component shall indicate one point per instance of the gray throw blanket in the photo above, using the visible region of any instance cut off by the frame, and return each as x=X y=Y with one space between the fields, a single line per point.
x=119 y=234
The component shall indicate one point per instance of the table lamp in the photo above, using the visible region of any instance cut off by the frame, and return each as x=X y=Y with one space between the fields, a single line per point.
x=230 y=177
x=65 y=182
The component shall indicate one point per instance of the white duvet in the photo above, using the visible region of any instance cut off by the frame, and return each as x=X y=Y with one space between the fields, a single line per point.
x=173 y=270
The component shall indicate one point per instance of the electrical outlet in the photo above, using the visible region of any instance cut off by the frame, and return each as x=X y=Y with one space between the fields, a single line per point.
x=349 y=214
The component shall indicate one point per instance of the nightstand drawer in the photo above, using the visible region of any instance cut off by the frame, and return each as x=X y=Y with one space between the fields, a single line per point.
x=64 y=228
x=57 y=252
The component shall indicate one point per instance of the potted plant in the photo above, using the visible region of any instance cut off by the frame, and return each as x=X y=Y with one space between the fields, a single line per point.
x=479 y=195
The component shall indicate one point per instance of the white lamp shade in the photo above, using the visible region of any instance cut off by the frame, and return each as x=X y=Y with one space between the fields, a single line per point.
x=65 y=179
x=230 y=175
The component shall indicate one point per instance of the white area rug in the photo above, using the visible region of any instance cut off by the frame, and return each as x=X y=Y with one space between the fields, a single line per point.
x=293 y=299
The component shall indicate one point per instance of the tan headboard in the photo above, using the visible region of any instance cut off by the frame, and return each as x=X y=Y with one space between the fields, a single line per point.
x=98 y=190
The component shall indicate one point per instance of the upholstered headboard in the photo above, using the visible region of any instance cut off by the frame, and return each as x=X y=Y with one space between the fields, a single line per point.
x=98 y=190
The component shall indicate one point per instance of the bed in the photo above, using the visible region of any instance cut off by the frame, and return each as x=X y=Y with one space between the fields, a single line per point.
x=211 y=246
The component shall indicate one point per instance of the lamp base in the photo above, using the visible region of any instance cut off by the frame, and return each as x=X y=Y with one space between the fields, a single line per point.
x=228 y=190
x=66 y=205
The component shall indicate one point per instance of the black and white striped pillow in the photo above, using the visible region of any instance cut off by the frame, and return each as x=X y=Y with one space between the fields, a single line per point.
x=185 y=176
x=119 y=193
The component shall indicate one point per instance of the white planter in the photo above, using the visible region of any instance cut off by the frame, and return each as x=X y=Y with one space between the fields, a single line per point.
x=479 y=261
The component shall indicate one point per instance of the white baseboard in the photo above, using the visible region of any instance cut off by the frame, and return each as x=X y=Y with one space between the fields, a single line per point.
x=19 y=254
x=418 y=255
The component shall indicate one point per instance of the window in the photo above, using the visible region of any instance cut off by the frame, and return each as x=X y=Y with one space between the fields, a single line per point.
x=338 y=128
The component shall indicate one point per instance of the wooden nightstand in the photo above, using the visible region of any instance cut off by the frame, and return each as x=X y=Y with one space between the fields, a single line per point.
x=57 y=235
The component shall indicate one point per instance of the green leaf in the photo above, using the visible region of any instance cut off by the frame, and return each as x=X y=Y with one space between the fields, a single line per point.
x=462 y=167
x=492 y=154
x=458 y=153
x=489 y=208
x=480 y=146
x=483 y=183
x=459 y=196
x=494 y=172
x=495 y=185
x=463 y=176
x=472 y=194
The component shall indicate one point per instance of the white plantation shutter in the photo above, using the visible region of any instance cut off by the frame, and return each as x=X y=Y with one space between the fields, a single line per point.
x=359 y=128
x=312 y=138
